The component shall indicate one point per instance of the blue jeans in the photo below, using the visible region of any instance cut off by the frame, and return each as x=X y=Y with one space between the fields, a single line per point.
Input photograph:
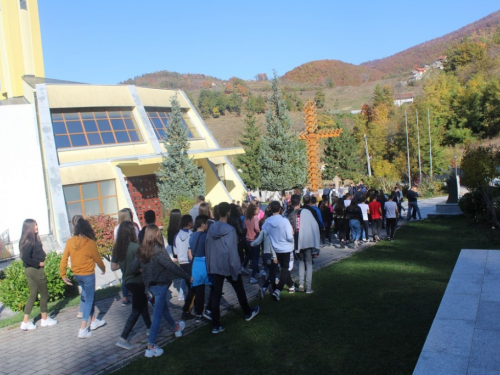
x=255 y=251
x=87 y=283
x=355 y=226
x=413 y=206
x=162 y=295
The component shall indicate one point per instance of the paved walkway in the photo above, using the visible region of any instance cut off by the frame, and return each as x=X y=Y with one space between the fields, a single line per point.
x=57 y=350
x=465 y=335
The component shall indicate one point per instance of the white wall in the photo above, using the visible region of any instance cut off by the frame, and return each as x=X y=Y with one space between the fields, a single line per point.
x=22 y=188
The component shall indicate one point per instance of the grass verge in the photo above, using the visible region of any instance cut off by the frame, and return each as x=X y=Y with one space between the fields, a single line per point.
x=369 y=314
x=59 y=305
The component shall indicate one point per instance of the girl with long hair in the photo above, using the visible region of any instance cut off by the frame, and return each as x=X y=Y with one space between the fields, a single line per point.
x=124 y=252
x=33 y=257
x=251 y=225
x=340 y=221
x=327 y=216
x=125 y=214
x=174 y=227
x=82 y=250
x=354 y=215
x=158 y=270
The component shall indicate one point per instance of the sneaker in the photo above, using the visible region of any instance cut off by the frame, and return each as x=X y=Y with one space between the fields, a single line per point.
x=48 y=322
x=309 y=291
x=124 y=344
x=178 y=329
x=180 y=297
x=153 y=352
x=148 y=331
x=356 y=244
x=79 y=315
x=255 y=311
x=277 y=280
x=276 y=295
x=125 y=302
x=198 y=319
x=218 y=330
x=29 y=326
x=245 y=271
x=291 y=289
x=84 y=333
x=263 y=275
x=253 y=280
x=97 y=323
x=187 y=316
x=301 y=288
x=262 y=292
x=207 y=314
x=342 y=245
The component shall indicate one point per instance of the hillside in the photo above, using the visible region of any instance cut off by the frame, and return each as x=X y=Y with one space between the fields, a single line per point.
x=331 y=73
x=173 y=80
x=429 y=51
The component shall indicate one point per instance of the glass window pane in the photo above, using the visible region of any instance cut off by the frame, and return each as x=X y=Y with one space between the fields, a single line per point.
x=74 y=127
x=108 y=188
x=71 y=116
x=90 y=191
x=90 y=126
x=59 y=128
x=100 y=115
x=78 y=140
x=92 y=207
x=62 y=141
x=94 y=139
x=161 y=133
x=127 y=114
x=103 y=125
x=108 y=138
x=71 y=193
x=122 y=137
x=134 y=137
x=87 y=115
x=109 y=206
x=157 y=123
x=130 y=124
x=118 y=124
x=163 y=114
x=115 y=114
x=152 y=114
x=74 y=209
x=57 y=117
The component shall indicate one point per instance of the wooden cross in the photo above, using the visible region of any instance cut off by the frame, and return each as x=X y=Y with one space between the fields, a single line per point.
x=312 y=135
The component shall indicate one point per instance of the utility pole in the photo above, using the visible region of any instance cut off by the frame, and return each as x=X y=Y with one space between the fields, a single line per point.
x=367 y=156
x=407 y=151
x=430 y=140
x=418 y=145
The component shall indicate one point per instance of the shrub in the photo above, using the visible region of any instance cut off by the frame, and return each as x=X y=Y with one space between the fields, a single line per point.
x=14 y=289
x=104 y=229
x=474 y=207
x=431 y=188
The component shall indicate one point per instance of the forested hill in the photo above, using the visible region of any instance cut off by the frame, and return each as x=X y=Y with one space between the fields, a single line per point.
x=331 y=73
x=172 y=80
x=428 y=52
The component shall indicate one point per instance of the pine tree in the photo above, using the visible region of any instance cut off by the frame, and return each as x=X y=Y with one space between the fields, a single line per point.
x=178 y=177
x=283 y=159
x=248 y=162
x=341 y=156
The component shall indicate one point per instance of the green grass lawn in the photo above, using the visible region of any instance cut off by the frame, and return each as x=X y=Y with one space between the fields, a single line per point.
x=369 y=314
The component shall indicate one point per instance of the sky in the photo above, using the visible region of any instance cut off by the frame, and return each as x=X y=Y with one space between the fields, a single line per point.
x=106 y=42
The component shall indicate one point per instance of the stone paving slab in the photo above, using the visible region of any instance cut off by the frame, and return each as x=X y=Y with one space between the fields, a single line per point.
x=465 y=335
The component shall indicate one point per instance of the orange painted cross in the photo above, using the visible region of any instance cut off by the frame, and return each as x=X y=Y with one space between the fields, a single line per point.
x=312 y=136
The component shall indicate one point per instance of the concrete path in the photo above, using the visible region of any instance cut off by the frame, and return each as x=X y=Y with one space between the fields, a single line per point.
x=465 y=335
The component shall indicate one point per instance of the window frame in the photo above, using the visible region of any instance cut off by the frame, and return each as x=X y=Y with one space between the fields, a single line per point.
x=99 y=198
x=193 y=133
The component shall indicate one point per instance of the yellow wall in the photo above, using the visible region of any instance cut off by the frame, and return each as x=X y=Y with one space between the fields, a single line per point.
x=81 y=96
x=20 y=46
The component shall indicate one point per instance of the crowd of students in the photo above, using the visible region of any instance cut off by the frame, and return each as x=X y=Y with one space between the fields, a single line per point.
x=207 y=248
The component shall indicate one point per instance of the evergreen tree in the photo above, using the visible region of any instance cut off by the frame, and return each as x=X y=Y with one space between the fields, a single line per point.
x=178 y=177
x=248 y=162
x=283 y=159
x=320 y=98
x=341 y=156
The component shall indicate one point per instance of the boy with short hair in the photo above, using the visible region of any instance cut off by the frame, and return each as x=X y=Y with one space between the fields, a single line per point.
x=149 y=218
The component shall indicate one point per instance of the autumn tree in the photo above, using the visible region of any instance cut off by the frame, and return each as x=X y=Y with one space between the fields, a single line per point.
x=282 y=160
x=261 y=77
x=248 y=162
x=178 y=177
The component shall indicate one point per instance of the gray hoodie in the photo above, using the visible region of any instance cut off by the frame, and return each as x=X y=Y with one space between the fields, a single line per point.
x=222 y=250
x=182 y=246
x=280 y=232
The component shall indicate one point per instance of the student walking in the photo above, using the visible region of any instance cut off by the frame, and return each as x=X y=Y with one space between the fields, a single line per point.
x=251 y=225
x=158 y=270
x=391 y=216
x=365 y=210
x=376 y=213
x=413 y=208
x=327 y=216
x=184 y=256
x=355 y=217
x=281 y=234
x=33 y=257
x=124 y=252
x=81 y=249
x=340 y=221
x=223 y=263
x=149 y=218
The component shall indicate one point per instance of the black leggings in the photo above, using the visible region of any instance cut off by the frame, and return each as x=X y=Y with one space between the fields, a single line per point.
x=139 y=307
x=284 y=262
x=343 y=225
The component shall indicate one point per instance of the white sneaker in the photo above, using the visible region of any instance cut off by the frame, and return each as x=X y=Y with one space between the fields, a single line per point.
x=147 y=331
x=97 y=323
x=48 y=322
x=124 y=344
x=253 y=280
x=154 y=352
x=180 y=327
x=180 y=297
x=29 y=326
x=84 y=333
x=263 y=275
